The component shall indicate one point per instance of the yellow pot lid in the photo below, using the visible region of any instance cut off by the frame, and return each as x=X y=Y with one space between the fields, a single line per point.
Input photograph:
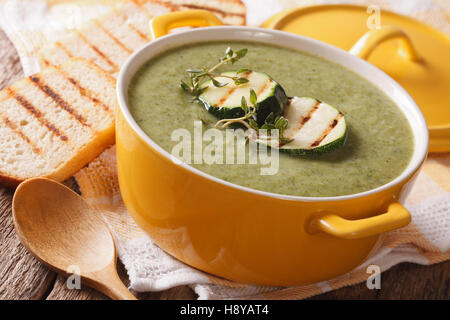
x=419 y=59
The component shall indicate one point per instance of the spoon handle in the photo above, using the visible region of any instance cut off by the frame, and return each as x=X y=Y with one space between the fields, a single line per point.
x=109 y=283
x=119 y=292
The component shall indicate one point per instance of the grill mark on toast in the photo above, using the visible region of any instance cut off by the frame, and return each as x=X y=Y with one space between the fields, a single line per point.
x=37 y=114
x=58 y=99
x=215 y=10
x=97 y=50
x=168 y=5
x=46 y=62
x=132 y=26
x=63 y=48
x=138 y=4
x=327 y=130
x=307 y=118
x=172 y=7
x=139 y=33
x=175 y=7
x=231 y=91
x=83 y=91
x=109 y=34
x=88 y=94
x=14 y=128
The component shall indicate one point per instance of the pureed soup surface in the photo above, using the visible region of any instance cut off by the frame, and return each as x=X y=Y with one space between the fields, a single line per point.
x=379 y=145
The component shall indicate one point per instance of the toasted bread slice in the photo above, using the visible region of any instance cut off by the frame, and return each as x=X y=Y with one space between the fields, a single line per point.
x=109 y=40
x=55 y=122
x=232 y=12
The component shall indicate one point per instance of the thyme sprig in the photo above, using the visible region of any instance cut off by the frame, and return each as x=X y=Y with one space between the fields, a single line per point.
x=197 y=77
x=249 y=112
x=195 y=86
x=279 y=123
x=271 y=122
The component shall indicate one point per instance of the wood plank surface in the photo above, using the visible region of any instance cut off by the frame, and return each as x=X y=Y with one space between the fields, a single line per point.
x=23 y=277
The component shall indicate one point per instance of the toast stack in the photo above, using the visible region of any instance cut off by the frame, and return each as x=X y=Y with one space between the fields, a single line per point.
x=55 y=122
x=109 y=40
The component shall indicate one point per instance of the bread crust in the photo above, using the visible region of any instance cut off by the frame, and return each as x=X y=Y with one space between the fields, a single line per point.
x=9 y=182
x=100 y=141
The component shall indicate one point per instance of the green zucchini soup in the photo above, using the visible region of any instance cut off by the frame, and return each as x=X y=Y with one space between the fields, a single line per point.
x=368 y=144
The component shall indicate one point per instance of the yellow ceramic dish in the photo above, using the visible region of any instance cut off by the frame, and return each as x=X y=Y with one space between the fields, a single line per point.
x=419 y=61
x=276 y=239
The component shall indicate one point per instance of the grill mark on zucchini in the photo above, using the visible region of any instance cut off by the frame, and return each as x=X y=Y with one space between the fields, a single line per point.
x=306 y=118
x=315 y=127
x=327 y=131
x=261 y=91
x=271 y=96
x=246 y=75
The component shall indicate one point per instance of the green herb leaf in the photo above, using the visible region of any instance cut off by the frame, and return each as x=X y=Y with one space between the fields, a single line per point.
x=185 y=87
x=281 y=123
x=267 y=126
x=241 y=53
x=270 y=118
x=201 y=90
x=194 y=71
x=253 y=124
x=244 y=105
x=218 y=84
x=197 y=76
x=284 y=140
x=239 y=81
x=253 y=98
x=242 y=70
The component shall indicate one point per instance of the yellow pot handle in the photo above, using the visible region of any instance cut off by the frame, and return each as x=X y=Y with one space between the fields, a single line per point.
x=370 y=40
x=396 y=217
x=161 y=25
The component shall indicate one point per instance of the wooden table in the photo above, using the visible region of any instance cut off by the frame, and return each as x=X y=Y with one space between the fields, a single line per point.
x=23 y=277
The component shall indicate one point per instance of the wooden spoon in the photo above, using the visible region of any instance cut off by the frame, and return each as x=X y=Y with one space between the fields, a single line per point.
x=57 y=226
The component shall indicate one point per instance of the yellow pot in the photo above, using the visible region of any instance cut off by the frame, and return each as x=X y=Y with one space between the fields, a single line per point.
x=243 y=234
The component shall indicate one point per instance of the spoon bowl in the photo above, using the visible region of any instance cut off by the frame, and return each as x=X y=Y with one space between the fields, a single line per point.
x=58 y=227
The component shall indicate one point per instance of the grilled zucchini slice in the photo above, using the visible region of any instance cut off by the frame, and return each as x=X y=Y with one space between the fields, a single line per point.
x=314 y=127
x=225 y=102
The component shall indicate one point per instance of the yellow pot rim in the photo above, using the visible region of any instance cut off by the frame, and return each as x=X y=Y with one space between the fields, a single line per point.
x=168 y=42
